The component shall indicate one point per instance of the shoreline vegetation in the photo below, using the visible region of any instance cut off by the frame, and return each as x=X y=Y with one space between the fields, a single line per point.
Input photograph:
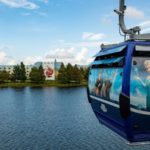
x=45 y=84
x=66 y=76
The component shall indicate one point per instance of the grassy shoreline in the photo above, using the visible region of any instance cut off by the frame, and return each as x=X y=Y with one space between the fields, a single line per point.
x=45 y=84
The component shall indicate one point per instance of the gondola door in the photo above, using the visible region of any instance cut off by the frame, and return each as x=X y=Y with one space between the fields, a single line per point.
x=105 y=86
x=140 y=92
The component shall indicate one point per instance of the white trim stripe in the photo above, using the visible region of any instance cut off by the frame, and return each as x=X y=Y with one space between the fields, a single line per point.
x=117 y=106
x=140 y=112
x=104 y=101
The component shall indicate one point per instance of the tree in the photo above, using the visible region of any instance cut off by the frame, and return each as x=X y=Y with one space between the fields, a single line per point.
x=82 y=71
x=16 y=73
x=70 y=73
x=37 y=75
x=87 y=70
x=19 y=73
x=62 y=75
x=42 y=76
x=22 y=72
x=4 y=76
x=77 y=75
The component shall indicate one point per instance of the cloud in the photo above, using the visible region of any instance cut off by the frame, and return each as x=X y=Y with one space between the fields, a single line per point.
x=74 y=53
x=92 y=36
x=71 y=55
x=30 y=60
x=133 y=12
x=66 y=55
x=145 y=26
x=61 y=53
x=20 y=4
x=81 y=56
x=5 y=59
x=145 y=23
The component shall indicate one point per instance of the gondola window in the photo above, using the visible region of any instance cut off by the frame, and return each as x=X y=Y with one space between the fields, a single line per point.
x=105 y=80
x=140 y=83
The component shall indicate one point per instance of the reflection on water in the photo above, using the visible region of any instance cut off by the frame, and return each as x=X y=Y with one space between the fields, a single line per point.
x=55 y=119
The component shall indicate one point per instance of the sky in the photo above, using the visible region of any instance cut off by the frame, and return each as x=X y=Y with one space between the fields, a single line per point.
x=66 y=30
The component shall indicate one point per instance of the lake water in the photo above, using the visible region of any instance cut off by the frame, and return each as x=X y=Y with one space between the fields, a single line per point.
x=53 y=119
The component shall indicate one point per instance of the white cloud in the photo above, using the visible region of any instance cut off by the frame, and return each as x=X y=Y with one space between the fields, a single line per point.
x=145 y=26
x=74 y=53
x=61 y=53
x=20 y=4
x=70 y=55
x=30 y=60
x=5 y=59
x=81 y=56
x=146 y=30
x=92 y=36
x=66 y=55
x=135 y=13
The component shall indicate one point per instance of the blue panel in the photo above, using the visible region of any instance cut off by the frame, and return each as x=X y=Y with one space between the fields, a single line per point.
x=111 y=51
x=126 y=86
x=108 y=61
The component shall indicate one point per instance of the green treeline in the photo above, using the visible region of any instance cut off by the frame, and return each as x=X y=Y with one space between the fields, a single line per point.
x=72 y=74
x=66 y=75
x=4 y=76
x=19 y=75
x=37 y=75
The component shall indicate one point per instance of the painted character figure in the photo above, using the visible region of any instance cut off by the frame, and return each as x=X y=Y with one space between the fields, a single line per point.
x=98 y=85
x=106 y=89
x=146 y=83
x=107 y=85
x=49 y=72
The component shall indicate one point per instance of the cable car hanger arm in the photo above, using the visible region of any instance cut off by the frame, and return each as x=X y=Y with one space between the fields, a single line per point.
x=121 y=12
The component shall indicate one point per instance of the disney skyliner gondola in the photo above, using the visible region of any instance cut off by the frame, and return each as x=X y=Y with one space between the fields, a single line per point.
x=119 y=84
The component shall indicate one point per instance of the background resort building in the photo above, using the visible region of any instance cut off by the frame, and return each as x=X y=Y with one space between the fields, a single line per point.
x=50 y=69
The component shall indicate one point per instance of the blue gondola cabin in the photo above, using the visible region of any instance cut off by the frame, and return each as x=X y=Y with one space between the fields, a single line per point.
x=119 y=89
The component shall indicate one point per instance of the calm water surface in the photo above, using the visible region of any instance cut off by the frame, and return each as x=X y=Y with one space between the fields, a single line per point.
x=53 y=119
